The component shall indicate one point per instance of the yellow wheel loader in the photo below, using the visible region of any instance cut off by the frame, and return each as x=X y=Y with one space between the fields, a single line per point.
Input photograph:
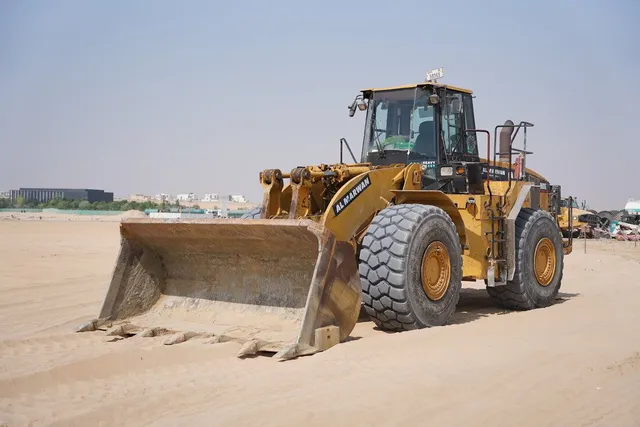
x=574 y=221
x=396 y=232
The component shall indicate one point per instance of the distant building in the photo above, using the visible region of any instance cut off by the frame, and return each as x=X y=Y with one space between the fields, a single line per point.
x=5 y=194
x=139 y=198
x=43 y=195
x=210 y=197
x=237 y=199
x=189 y=197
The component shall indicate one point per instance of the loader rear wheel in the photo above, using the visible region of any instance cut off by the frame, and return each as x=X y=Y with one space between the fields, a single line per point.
x=539 y=264
x=410 y=268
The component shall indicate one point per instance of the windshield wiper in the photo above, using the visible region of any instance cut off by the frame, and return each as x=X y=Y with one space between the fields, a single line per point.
x=378 y=146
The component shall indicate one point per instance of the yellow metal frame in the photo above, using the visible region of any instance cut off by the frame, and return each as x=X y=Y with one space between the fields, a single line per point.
x=400 y=184
x=473 y=215
x=415 y=85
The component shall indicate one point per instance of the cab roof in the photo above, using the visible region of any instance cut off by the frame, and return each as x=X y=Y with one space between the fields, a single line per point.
x=414 y=85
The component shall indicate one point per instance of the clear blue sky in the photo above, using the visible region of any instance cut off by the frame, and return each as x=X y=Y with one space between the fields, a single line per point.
x=159 y=96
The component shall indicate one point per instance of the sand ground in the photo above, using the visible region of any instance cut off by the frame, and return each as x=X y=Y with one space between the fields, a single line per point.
x=576 y=363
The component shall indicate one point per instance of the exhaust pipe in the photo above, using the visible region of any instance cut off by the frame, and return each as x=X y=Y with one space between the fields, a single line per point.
x=505 y=141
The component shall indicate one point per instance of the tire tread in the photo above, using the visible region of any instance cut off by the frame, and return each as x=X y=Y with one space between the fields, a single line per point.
x=514 y=295
x=383 y=264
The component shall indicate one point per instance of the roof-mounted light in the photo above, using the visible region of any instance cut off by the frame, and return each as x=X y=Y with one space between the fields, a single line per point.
x=434 y=75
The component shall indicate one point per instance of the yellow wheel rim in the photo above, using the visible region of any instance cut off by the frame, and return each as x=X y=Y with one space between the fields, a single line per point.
x=436 y=271
x=544 y=261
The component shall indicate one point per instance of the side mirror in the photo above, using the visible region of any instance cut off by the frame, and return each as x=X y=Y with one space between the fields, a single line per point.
x=352 y=108
x=357 y=103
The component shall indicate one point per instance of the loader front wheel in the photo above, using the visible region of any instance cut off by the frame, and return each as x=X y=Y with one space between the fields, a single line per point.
x=410 y=266
x=538 y=265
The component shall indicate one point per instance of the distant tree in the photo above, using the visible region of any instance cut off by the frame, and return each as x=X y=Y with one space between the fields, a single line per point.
x=65 y=204
x=148 y=205
x=119 y=205
x=101 y=206
x=31 y=204
x=54 y=203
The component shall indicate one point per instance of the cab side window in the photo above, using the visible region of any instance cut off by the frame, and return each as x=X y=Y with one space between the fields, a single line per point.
x=470 y=123
x=451 y=122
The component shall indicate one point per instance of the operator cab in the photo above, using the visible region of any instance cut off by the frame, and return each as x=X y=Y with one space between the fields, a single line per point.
x=422 y=123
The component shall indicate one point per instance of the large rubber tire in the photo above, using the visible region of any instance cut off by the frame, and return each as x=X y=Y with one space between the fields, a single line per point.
x=390 y=263
x=525 y=292
x=252 y=214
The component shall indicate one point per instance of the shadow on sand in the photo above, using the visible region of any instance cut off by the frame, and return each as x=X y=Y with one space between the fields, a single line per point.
x=475 y=304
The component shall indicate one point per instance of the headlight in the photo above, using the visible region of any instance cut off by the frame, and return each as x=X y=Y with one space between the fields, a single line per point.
x=446 y=171
x=575 y=218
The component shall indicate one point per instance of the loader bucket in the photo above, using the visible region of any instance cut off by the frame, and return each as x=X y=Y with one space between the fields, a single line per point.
x=268 y=282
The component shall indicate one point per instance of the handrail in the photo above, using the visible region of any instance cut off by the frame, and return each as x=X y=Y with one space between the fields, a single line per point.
x=488 y=154
x=343 y=141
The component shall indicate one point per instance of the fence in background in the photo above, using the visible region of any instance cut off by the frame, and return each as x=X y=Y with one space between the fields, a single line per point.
x=64 y=211
x=194 y=213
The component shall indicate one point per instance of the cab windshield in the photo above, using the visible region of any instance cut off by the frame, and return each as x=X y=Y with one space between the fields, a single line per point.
x=401 y=120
